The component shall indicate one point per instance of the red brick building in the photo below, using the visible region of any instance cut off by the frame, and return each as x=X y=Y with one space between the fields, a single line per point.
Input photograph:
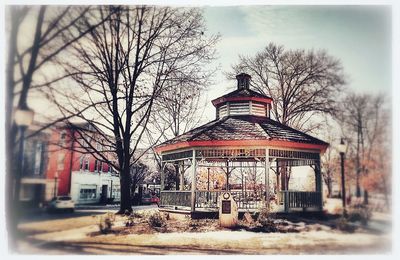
x=75 y=171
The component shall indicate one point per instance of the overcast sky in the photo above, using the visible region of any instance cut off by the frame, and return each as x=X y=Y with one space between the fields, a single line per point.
x=360 y=36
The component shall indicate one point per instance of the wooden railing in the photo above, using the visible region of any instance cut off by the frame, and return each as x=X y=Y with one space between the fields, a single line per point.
x=209 y=199
x=244 y=200
x=300 y=199
x=175 y=198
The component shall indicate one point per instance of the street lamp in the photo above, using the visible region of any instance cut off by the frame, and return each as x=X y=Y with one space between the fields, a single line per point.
x=342 y=150
x=55 y=184
x=23 y=118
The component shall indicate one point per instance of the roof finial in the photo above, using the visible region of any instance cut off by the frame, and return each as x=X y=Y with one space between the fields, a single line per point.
x=243 y=81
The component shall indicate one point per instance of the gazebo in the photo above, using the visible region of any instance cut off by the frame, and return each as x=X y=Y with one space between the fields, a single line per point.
x=242 y=151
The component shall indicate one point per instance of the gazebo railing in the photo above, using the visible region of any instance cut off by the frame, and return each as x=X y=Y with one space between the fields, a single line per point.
x=175 y=198
x=300 y=199
x=209 y=199
x=244 y=200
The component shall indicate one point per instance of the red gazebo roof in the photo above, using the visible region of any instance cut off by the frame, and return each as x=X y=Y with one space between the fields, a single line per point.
x=241 y=131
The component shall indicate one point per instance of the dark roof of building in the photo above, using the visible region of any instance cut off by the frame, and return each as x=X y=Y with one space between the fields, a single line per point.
x=242 y=93
x=244 y=128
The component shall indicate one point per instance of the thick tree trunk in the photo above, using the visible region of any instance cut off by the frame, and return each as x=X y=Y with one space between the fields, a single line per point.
x=365 y=197
x=125 y=182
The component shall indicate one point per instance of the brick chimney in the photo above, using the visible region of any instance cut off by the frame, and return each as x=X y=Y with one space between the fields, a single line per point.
x=243 y=81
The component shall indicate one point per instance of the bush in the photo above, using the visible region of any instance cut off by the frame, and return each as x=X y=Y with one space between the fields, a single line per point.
x=266 y=220
x=130 y=219
x=157 y=220
x=106 y=223
x=360 y=213
x=344 y=225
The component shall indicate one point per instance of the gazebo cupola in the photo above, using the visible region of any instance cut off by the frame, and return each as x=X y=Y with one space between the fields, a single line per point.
x=243 y=101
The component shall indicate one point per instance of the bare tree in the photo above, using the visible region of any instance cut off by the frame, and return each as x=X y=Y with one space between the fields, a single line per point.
x=36 y=36
x=330 y=159
x=365 y=123
x=123 y=67
x=139 y=171
x=302 y=83
x=176 y=111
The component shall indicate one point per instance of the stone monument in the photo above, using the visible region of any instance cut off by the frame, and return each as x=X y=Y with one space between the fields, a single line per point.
x=228 y=211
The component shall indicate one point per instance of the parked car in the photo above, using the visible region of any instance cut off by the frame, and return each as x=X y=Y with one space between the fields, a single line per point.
x=61 y=203
x=148 y=198
x=155 y=199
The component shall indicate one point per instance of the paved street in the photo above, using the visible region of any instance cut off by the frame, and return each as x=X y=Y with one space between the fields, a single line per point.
x=80 y=211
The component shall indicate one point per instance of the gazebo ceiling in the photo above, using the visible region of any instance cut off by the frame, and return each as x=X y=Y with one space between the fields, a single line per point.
x=243 y=131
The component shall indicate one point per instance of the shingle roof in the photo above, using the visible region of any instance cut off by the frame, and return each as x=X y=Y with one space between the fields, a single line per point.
x=244 y=128
x=243 y=92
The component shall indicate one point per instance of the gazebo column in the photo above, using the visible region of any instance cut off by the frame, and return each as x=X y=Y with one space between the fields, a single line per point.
x=318 y=180
x=162 y=177
x=266 y=177
x=181 y=173
x=193 y=194
x=278 y=187
x=177 y=175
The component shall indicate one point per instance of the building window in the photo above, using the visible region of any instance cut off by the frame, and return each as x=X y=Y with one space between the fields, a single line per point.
x=116 y=192
x=60 y=161
x=63 y=136
x=84 y=163
x=97 y=166
x=38 y=158
x=88 y=192
x=103 y=167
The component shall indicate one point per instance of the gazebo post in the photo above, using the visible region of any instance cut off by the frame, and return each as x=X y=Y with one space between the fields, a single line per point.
x=266 y=177
x=318 y=180
x=181 y=172
x=162 y=177
x=278 y=185
x=193 y=194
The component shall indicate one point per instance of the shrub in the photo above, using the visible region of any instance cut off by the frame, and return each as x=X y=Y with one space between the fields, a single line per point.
x=344 y=225
x=129 y=221
x=106 y=223
x=266 y=220
x=157 y=220
x=136 y=215
x=360 y=213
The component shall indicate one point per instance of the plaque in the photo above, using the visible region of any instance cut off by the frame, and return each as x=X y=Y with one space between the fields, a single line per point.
x=226 y=207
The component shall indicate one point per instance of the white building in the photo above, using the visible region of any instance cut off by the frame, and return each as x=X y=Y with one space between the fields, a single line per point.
x=88 y=187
